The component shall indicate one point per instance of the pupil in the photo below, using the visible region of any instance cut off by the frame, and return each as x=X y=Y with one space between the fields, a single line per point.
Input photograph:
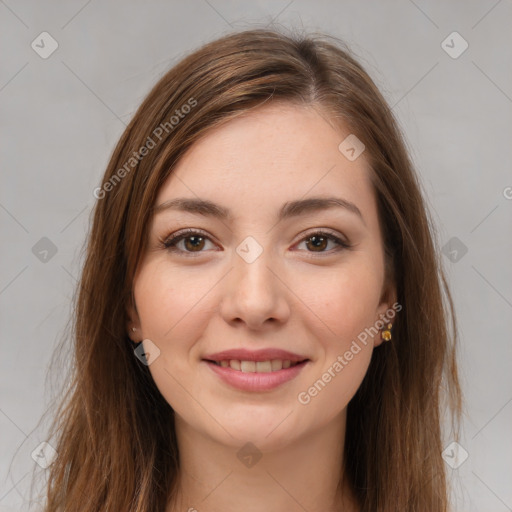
x=196 y=244
x=197 y=241
x=318 y=241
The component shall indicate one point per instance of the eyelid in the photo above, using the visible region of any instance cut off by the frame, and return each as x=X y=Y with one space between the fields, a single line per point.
x=326 y=232
x=169 y=242
x=341 y=243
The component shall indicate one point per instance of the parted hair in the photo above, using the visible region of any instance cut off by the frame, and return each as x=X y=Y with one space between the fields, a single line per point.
x=113 y=430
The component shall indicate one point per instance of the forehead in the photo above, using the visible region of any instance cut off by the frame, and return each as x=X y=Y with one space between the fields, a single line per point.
x=276 y=153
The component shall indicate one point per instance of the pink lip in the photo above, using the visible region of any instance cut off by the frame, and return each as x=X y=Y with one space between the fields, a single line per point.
x=256 y=381
x=266 y=354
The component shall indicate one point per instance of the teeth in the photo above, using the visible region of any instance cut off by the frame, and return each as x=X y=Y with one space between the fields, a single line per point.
x=277 y=364
x=257 y=366
x=248 y=366
x=264 y=366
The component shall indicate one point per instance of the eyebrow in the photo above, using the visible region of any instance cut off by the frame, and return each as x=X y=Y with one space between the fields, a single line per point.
x=288 y=210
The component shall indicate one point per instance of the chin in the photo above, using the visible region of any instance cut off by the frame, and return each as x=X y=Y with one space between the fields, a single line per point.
x=267 y=427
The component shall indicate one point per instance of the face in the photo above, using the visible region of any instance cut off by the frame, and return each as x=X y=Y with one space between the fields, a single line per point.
x=267 y=276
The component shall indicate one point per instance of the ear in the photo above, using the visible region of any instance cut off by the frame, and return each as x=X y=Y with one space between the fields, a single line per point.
x=388 y=302
x=133 y=328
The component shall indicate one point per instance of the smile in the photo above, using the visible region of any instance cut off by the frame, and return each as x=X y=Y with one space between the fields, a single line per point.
x=269 y=366
x=256 y=376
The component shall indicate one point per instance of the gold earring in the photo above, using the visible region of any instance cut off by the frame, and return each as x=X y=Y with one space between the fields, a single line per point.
x=386 y=333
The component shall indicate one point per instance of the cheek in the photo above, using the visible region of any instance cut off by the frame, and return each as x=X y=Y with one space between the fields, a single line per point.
x=342 y=302
x=344 y=306
x=168 y=300
x=172 y=309
x=329 y=393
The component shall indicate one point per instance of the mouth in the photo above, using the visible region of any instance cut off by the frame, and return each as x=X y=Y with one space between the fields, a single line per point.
x=255 y=376
x=267 y=366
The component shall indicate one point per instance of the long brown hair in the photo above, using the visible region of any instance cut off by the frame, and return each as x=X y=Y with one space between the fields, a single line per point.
x=114 y=431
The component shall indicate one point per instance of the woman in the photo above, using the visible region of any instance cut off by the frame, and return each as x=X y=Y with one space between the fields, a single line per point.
x=260 y=322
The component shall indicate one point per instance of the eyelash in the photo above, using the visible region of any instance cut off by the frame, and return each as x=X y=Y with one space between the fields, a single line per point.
x=171 y=242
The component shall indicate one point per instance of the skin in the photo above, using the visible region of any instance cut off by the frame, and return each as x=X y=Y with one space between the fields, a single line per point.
x=311 y=302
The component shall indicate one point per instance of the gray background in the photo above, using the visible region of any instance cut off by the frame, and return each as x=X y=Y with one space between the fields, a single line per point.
x=62 y=115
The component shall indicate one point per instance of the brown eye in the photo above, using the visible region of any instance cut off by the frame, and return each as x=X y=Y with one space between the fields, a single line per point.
x=319 y=241
x=193 y=243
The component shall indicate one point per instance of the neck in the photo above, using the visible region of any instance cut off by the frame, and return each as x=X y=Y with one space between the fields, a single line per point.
x=302 y=475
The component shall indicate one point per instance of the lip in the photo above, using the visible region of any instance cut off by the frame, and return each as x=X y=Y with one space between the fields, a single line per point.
x=256 y=381
x=265 y=354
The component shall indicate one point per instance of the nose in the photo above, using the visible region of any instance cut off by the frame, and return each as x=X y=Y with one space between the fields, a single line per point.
x=255 y=294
